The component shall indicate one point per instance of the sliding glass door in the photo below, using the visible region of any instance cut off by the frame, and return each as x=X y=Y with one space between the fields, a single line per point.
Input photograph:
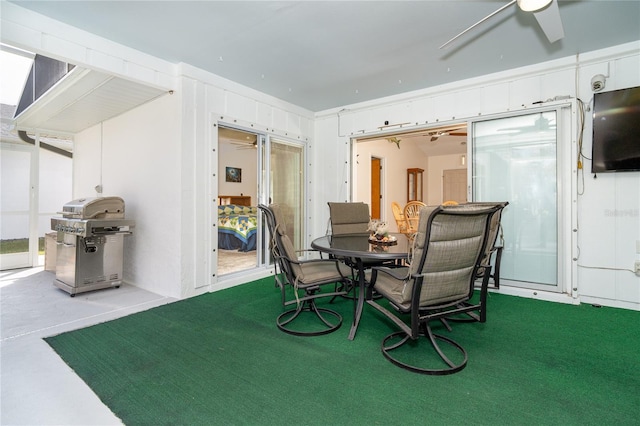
x=286 y=185
x=515 y=159
x=255 y=169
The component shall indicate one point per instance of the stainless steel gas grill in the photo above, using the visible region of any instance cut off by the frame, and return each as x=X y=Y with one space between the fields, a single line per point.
x=90 y=244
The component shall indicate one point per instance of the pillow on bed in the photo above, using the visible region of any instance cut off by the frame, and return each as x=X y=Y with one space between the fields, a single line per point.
x=231 y=209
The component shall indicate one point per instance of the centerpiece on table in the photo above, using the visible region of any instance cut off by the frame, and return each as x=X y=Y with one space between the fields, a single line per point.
x=380 y=233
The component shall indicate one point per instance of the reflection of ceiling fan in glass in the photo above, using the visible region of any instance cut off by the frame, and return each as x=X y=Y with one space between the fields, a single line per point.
x=243 y=140
x=245 y=145
x=434 y=135
x=541 y=124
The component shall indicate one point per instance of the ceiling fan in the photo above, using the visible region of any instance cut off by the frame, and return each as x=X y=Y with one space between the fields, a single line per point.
x=546 y=13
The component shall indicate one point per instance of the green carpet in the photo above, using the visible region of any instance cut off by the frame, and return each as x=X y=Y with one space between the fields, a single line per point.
x=219 y=359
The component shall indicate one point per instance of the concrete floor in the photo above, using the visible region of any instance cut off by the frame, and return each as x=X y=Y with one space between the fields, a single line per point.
x=36 y=386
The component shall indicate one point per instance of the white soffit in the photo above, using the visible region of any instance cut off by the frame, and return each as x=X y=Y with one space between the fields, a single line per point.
x=81 y=99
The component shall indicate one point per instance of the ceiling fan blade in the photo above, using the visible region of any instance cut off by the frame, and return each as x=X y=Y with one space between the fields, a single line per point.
x=478 y=23
x=550 y=21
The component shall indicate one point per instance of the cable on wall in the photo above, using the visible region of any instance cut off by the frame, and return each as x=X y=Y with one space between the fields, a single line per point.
x=98 y=187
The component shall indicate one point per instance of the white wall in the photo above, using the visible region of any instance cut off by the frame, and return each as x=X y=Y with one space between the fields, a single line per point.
x=609 y=206
x=231 y=156
x=606 y=209
x=137 y=156
x=329 y=171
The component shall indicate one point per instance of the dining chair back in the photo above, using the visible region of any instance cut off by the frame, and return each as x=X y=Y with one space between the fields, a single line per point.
x=412 y=215
x=398 y=215
x=349 y=218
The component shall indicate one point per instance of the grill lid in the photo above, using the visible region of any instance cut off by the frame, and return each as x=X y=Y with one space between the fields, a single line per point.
x=94 y=208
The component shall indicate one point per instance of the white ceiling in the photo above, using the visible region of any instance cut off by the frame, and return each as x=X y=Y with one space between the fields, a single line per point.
x=326 y=54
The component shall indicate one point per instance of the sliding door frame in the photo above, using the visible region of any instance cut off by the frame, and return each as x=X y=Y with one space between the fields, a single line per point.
x=263 y=165
x=566 y=189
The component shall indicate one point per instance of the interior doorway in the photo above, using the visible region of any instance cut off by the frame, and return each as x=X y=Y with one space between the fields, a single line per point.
x=376 y=187
x=380 y=184
x=237 y=223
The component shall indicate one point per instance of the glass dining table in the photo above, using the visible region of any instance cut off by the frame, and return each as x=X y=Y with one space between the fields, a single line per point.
x=362 y=253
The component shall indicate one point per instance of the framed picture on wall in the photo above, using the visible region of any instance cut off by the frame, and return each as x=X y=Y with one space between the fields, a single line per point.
x=233 y=174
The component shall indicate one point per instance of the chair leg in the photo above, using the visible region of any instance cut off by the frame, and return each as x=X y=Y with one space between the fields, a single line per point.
x=453 y=367
x=309 y=306
x=496 y=268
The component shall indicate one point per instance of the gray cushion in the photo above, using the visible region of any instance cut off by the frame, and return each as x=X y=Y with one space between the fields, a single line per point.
x=349 y=218
x=452 y=248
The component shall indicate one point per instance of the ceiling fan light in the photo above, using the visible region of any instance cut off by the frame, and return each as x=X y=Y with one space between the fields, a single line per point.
x=533 y=5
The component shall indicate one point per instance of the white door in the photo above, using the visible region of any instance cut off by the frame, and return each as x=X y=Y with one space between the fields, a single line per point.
x=454 y=185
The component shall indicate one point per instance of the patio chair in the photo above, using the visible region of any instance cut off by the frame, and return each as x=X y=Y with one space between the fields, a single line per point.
x=495 y=245
x=306 y=279
x=349 y=218
x=352 y=219
x=448 y=252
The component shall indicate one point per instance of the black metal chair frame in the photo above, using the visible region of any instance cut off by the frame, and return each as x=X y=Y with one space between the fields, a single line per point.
x=422 y=316
x=492 y=269
x=285 y=277
x=492 y=247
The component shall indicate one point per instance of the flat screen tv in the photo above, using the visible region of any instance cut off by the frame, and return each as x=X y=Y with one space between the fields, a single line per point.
x=616 y=131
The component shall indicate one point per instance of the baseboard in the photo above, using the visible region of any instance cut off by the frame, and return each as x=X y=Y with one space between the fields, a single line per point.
x=241 y=277
x=535 y=294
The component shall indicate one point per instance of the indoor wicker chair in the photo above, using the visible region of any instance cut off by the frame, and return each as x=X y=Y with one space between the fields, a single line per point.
x=412 y=215
x=398 y=215
x=448 y=251
x=303 y=276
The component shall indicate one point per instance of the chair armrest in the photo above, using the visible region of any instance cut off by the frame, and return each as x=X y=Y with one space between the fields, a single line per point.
x=310 y=251
x=302 y=262
x=399 y=273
